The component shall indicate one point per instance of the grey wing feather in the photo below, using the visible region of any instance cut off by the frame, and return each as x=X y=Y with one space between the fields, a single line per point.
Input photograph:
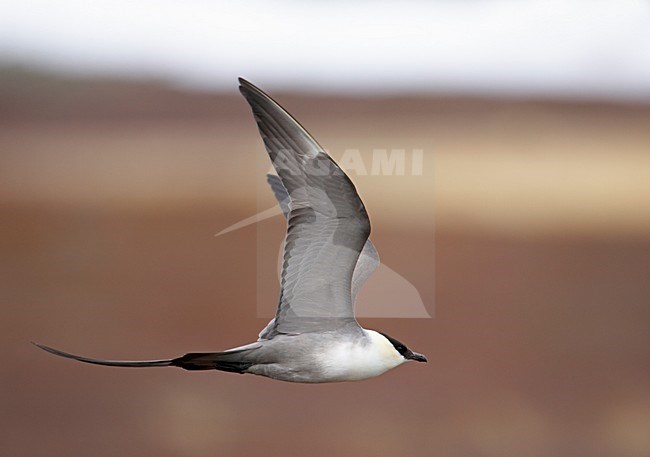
x=281 y=194
x=368 y=259
x=366 y=264
x=327 y=226
x=267 y=331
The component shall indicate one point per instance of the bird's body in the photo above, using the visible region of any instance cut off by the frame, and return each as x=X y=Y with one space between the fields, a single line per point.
x=314 y=337
x=326 y=357
x=332 y=356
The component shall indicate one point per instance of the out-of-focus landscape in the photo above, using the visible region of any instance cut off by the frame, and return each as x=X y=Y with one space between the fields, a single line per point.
x=111 y=192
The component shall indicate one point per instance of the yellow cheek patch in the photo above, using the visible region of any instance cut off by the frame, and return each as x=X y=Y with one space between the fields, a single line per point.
x=385 y=347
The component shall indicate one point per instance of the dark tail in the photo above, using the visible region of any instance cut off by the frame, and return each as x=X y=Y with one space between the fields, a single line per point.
x=110 y=363
x=223 y=361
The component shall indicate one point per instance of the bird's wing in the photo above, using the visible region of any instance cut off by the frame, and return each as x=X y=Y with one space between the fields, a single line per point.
x=327 y=226
x=368 y=259
x=366 y=264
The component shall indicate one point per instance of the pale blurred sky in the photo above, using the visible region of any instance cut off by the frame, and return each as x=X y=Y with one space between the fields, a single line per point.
x=579 y=48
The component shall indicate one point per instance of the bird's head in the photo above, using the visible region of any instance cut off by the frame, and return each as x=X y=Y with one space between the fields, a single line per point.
x=404 y=351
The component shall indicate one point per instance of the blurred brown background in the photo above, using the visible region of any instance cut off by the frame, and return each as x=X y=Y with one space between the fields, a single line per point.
x=111 y=192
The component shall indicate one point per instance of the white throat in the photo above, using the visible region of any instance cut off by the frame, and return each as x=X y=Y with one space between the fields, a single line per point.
x=355 y=361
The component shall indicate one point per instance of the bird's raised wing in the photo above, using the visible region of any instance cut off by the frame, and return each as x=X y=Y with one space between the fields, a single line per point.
x=366 y=264
x=368 y=259
x=327 y=226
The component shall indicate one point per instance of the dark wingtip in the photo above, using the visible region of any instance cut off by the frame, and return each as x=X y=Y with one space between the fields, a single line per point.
x=248 y=90
x=244 y=84
x=245 y=88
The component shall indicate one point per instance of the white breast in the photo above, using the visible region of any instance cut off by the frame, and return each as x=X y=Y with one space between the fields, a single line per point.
x=349 y=361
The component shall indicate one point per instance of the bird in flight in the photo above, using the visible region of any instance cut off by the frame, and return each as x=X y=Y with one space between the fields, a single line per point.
x=314 y=336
